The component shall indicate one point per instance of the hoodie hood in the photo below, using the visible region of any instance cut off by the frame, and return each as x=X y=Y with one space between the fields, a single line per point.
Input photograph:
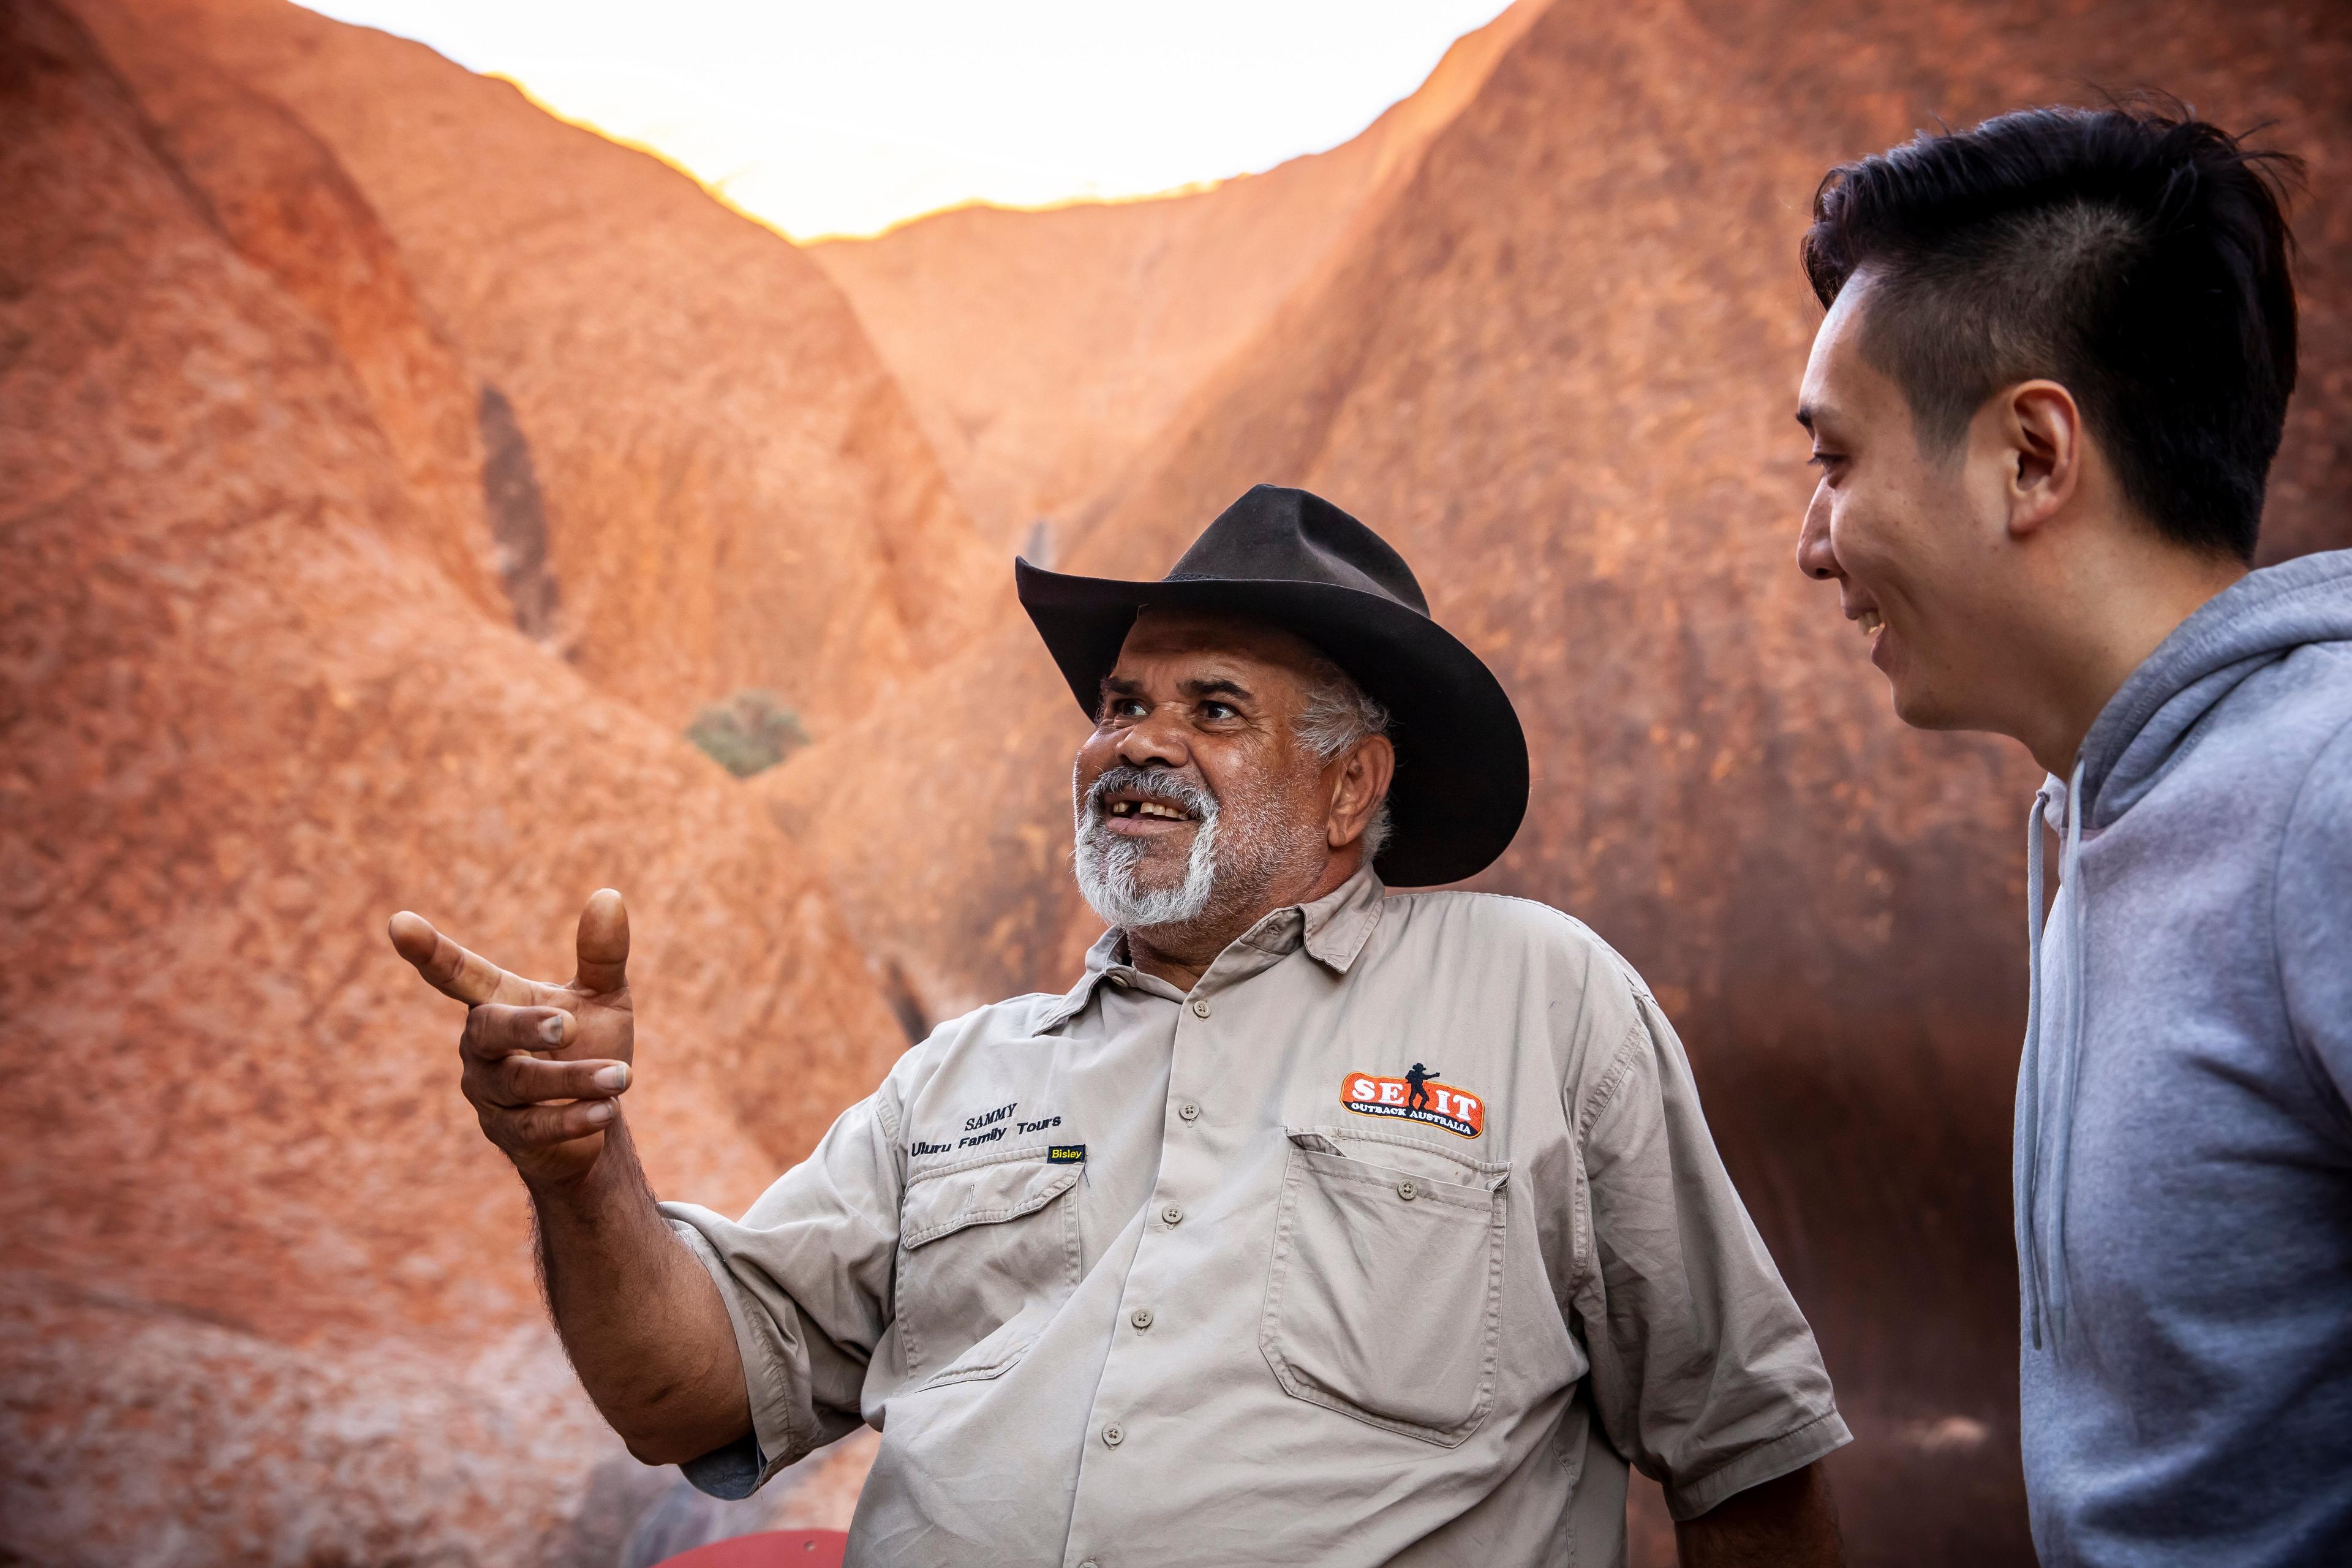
x=2149 y=724
x=2259 y=619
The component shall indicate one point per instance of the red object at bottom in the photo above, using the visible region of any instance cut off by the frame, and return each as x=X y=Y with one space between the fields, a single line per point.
x=769 y=1549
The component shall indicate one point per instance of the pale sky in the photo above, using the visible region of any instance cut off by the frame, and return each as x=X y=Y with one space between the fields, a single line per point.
x=849 y=116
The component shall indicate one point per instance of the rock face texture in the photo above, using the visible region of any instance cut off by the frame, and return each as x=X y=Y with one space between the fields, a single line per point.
x=280 y=198
x=1558 y=372
x=1043 y=351
x=735 y=495
x=266 y=1295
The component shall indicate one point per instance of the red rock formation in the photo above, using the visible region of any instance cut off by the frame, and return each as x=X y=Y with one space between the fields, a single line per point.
x=265 y=1296
x=280 y=198
x=1043 y=351
x=1558 y=372
x=735 y=495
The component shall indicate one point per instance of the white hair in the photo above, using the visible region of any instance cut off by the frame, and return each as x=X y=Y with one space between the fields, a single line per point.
x=1105 y=861
x=1339 y=715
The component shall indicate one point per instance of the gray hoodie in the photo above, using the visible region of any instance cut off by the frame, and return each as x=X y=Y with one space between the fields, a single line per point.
x=2184 y=1149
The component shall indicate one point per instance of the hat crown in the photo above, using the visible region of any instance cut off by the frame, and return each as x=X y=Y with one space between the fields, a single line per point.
x=1278 y=535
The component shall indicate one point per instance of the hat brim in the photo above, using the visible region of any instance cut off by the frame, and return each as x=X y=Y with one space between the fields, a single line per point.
x=1461 y=784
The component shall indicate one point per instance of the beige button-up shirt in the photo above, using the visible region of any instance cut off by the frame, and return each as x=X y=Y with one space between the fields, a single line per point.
x=1393 y=1242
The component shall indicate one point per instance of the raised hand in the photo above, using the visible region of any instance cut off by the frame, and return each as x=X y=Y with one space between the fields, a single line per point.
x=543 y=1064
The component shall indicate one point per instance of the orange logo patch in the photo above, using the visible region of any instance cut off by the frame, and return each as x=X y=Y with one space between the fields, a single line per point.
x=1416 y=1097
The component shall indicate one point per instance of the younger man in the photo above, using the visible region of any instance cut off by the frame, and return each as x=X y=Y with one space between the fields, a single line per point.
x=2044 y=401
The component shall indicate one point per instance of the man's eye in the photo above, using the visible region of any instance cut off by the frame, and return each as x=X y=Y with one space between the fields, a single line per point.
x=1125 y=707
x=1219 y=711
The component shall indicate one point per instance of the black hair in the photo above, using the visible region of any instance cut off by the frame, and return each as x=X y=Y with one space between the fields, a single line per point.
x=2134 y=254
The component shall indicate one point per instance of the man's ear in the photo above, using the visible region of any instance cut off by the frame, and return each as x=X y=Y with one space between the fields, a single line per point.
x=1359 y=783
x=2039 y=429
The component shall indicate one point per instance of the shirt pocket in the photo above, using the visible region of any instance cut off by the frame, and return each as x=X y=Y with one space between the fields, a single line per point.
x=1383 y=1300
x=988 y=1252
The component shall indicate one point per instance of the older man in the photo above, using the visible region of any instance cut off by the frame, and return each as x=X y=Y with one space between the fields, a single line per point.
x=1199 y=1263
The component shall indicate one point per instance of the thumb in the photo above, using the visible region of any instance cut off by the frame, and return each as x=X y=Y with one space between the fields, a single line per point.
x=603 y=944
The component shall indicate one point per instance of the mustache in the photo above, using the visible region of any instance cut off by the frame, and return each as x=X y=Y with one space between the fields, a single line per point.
x=1151 y=783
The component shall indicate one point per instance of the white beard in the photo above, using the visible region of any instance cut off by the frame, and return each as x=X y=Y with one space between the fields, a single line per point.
x=1107 y=864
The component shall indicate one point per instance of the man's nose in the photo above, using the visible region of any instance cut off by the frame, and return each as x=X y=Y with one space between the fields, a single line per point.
x=1157 y=740
x=1815 y=559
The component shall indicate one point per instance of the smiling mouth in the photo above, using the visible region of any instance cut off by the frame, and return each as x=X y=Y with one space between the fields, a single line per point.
x=1131 y=809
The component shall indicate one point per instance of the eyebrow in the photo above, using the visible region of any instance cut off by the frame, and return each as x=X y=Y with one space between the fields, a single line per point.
x=1211 y=686
x=1813 y=415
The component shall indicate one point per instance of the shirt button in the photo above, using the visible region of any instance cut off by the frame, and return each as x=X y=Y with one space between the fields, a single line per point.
x=1408 y=1191
x=1142 y=1318
x=1090 y=1562
x=1200 y=1009
x=1172 y=1215
x=1189 y=1111
x=1114 y=1434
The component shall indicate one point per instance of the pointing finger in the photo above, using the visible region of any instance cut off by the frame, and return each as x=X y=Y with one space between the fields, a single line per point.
x=450 y=969
x=494 y=1030
x=603 y=944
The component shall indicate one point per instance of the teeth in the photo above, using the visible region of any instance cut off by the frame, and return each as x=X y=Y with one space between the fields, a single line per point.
x=1871 y=622
x=1147 y=808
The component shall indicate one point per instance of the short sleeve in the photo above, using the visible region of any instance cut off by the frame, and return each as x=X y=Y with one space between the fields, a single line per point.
x=2312 y=914
x=1705 y=1374
x=805 y=1276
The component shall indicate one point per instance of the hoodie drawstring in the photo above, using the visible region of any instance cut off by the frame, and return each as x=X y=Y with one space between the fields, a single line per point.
x=2044 y=1277
x=2026 y=1156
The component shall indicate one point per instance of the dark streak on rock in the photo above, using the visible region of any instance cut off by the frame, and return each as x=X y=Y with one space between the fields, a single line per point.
x=518 y=515
x=905 y=1005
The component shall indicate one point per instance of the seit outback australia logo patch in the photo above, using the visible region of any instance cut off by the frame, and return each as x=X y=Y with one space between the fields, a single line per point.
x=1415 y=1097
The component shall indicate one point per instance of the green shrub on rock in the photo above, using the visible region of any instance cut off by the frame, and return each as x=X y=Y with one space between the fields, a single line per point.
x=750 y=732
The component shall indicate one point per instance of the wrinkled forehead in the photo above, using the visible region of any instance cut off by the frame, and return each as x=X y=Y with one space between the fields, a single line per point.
x=1188 y=644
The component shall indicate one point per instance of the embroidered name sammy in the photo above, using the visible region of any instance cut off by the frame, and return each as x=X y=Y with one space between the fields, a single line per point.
x=1416 y=1097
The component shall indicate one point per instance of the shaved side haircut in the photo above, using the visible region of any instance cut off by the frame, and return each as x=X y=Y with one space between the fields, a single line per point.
x=2136 y=255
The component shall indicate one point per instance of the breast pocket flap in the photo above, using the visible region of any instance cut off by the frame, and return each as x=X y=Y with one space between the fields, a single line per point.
x=941 y=1205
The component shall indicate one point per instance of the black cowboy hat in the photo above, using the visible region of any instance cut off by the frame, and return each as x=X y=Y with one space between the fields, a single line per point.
x=1296 y=562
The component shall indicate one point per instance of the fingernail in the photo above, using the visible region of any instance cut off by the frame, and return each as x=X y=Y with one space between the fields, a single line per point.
x=602 y=1111
x=615 y=1076
x=551 y=1031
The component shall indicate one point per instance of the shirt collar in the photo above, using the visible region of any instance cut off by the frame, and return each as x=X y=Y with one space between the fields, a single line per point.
x=1333 y=929
x=1106 y=960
